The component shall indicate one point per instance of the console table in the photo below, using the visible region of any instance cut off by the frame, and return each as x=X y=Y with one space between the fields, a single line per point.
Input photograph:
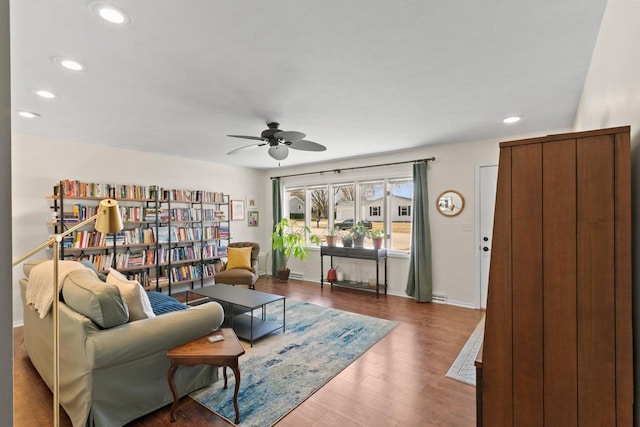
x=376 y=255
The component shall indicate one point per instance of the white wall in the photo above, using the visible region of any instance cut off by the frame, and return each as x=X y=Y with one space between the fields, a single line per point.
x=40 y=162
x=6 y=332
x=611 y=97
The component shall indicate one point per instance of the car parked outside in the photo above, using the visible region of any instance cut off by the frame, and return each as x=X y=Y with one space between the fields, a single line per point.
x=348 y=223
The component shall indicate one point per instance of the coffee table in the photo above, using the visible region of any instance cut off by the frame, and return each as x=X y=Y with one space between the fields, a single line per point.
x=241 y=303
x=202 y=352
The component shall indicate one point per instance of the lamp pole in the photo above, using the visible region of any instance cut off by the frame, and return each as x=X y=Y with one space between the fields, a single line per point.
x=107 y=208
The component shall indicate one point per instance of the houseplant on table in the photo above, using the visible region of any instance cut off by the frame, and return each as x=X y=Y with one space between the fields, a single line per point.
x=290 y=241
x=332 y=235
x=359 y=232
x=377 y=237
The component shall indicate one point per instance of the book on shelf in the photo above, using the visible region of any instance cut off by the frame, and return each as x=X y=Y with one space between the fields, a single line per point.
x=222 y=251
x=166 y=234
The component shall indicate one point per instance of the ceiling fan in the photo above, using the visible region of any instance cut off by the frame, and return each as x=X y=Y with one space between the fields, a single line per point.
x=279 y=142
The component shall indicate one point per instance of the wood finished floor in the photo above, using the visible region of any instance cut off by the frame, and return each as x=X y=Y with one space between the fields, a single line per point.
x=398 y=382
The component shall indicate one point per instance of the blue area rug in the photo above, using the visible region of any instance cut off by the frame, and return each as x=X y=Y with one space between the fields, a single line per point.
x=282 y=370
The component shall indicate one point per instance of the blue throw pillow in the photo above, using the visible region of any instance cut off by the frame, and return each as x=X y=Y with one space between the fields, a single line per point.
x=161 y=303
x=90 y=266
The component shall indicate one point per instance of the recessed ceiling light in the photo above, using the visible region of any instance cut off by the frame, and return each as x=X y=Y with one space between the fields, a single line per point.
x=110 y=13
x=45 y=94
x=511 y=119
x=28 y=114
x=69 y=64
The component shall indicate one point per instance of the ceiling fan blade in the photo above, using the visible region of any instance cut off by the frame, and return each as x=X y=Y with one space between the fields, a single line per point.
x=289 y=135
x=257 y=138
x=246 y=147
x=305 y=145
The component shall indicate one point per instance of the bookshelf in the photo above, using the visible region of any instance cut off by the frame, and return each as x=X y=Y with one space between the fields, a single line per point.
x=170 y=237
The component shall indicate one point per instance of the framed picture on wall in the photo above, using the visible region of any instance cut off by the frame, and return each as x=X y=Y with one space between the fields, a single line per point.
x=252 y=203
x=237 y=210
x=253 y=218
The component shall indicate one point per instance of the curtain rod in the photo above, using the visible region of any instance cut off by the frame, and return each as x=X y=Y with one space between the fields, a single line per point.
x=428 y=159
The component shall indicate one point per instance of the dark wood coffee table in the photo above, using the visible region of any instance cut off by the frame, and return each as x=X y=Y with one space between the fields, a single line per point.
x=202 y=352
x=239 y=304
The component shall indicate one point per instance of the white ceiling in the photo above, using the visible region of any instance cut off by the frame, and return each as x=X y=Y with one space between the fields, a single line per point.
x=358 y=76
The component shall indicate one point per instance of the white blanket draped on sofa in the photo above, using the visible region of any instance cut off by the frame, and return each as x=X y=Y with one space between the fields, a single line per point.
x=40 y=290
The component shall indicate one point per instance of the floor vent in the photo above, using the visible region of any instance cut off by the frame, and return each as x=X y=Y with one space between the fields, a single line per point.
x=296 y=275
x=442 y=299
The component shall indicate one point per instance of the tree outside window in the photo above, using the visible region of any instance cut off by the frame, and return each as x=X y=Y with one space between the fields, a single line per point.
x=319 y=220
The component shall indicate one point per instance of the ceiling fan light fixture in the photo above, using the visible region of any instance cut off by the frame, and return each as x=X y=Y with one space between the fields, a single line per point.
x=279 y=152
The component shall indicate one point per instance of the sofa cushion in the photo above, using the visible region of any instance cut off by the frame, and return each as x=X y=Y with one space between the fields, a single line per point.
x=133 y=294
x=239 y=258
x=85 y=293
x=161 y=303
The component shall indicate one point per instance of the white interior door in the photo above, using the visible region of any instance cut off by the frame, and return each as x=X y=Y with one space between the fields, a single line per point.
x=488 y=180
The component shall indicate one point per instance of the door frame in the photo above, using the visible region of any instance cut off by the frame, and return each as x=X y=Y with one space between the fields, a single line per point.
x=476 y=235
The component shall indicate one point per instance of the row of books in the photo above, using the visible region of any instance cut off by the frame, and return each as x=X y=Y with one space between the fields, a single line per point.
x=191 y=272
x=193 y=196
x=81 y=212
x=85 y=239
x=76 y=188
x=185 y=272
x=140 y=258
x=102 y=262
x=191 y=214
x=150 y=257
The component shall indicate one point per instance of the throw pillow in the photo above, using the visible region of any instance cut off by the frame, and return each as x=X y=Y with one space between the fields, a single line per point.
x=92 y=267
x=239 y=258
x=133 y=294
x=100 y=302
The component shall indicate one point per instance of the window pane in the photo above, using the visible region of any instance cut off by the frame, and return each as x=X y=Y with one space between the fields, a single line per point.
x=296 y=199
x=319 y=197
x=372 y=205
x=401 y=208
x=344 y=212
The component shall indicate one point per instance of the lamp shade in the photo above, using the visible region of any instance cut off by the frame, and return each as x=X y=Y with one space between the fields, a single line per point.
x=279 y=152
x=110 y=220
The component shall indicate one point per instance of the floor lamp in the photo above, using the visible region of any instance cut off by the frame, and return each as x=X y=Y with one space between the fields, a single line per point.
x=108 y=220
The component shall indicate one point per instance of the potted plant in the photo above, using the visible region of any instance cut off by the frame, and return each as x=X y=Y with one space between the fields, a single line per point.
x=290 y=242
x=359 y=232
x=332 y=235
x=347 y=239
x=377 y=237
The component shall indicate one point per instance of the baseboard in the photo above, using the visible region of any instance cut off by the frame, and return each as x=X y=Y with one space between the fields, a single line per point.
x=401 y=294
x=18 y=323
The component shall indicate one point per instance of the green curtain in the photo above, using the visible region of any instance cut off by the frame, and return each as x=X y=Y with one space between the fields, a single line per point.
x=420 y=282
x=277 y=258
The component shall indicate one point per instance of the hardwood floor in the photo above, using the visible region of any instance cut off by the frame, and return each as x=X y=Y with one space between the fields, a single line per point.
x=399 y=382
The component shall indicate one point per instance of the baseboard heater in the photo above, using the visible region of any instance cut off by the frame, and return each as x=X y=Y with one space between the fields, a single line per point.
x=296 y=275
x=442 y=299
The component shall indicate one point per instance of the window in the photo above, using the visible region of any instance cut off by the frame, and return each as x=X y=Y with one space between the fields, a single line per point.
x=404 y=210
x=401 y=202
x=295 y=201
x=385 y=204
x=344 y=200
x=319 y=221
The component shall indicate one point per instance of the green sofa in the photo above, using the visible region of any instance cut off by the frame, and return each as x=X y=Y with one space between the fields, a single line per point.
x=110 y=376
